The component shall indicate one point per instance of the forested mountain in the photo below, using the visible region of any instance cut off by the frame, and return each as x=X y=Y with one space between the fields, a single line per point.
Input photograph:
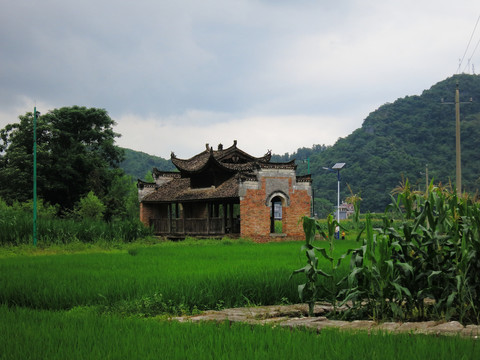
x=397 y=141
x=137 y=164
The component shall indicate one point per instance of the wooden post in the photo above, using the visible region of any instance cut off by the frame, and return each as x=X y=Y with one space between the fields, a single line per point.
x=182 y=214
x=208 y=218
x=224 y=217
x=169 y=217
x=232 y=225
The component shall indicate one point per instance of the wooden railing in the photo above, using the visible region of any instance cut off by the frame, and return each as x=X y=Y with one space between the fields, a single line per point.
x=191 y=226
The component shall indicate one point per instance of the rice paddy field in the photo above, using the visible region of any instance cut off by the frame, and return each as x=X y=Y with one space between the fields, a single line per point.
x=90 y=303
x=203 y=274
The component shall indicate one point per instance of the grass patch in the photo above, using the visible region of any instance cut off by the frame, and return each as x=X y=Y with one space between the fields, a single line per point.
x=150 y=279
x=82 y=334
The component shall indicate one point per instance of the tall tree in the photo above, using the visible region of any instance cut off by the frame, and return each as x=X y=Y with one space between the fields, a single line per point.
x=76 y=153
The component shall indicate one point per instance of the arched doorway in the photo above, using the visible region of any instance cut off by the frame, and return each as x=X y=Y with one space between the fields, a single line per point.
x=276 y=214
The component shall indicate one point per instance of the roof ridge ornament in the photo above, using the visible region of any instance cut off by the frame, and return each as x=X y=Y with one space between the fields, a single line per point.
x=172 y=155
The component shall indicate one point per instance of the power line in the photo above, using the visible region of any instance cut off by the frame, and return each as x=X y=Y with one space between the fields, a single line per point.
x=468 y=45
x=473 y=52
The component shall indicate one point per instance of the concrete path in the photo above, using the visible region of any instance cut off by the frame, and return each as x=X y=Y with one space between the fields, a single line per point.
x=294 y=316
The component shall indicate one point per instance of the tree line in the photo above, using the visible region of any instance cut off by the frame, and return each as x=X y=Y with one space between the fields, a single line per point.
x=77 y=164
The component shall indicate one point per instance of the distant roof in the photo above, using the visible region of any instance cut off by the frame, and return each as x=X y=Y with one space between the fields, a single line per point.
x=231 y=159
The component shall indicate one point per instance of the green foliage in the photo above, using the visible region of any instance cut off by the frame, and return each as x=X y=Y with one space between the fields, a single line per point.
x=158 y=278
x=308 y=291
x=90 y=207
x=83 y=334
x=75 y=154
x=355 y=200
x=301 y=155
x=137 y=164
x=121 y=200
x=278 y=226
x=16 y=224
x=149 y=177
x=433 y=254
x=421 y=260
x=323 y=208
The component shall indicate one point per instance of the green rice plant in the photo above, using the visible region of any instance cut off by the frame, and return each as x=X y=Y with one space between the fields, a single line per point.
x=84 y=334
x=192 y=274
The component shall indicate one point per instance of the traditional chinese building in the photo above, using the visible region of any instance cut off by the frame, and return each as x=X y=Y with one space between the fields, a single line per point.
x=226 y=192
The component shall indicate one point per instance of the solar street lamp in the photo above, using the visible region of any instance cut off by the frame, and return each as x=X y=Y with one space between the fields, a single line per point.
x=337 y=167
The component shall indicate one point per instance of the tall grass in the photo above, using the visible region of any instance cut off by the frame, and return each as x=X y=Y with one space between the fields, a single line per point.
x=16 y=228
x=28 y=334
x=168 y=277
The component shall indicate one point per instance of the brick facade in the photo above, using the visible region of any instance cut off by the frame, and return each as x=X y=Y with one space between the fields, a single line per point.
x=255 y=206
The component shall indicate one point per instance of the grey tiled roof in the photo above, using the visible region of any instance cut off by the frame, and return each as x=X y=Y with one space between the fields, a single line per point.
x=232 y=159
x=180 y=190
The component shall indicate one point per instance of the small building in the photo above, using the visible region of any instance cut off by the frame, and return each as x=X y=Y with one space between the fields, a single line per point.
x=226 y=192
x=345 y=210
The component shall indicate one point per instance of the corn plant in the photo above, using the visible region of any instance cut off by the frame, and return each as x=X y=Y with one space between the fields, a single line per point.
x=374 y=285
x=433 y=254
x=355 y=200
x=308 y=291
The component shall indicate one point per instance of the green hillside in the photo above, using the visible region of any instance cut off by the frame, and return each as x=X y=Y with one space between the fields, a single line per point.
x=137 y=164
x=399 y=139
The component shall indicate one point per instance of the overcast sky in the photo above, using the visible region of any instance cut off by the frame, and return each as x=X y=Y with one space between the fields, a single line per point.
x=278 y=75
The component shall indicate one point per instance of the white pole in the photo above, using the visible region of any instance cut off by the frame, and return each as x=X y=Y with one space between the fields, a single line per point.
x=338 y=199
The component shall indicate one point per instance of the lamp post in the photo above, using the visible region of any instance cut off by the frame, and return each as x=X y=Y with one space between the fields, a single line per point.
x=337 y=167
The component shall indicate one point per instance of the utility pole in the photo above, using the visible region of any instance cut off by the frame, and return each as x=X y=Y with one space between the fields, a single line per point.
x=458 y=172
x=35 y=176
x=426 y=179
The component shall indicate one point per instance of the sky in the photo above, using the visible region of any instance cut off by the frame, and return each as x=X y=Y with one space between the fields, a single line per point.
x=272 y=74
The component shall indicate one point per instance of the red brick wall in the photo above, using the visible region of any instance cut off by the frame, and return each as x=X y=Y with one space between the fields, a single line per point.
x=255 y=215
x=299 y=207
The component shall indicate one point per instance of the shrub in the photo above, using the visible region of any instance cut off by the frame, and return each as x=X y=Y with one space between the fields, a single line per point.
x=90 y=207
